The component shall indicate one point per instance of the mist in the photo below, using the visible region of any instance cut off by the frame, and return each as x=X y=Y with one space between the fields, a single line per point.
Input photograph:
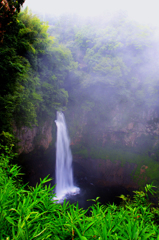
x=112 y=81
x=145 y=12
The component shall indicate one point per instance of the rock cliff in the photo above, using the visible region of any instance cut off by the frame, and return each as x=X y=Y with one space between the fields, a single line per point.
x=115 y=150
x=38 y=136
x=117 y=129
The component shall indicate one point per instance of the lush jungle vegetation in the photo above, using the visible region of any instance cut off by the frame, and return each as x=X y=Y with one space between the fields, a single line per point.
x=93 y=66
x=33 y=68
x=96 y=67
x=79 y=65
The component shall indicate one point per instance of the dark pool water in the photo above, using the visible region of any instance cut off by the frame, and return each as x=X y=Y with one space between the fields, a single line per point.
x=36 y=167
x=89 y=192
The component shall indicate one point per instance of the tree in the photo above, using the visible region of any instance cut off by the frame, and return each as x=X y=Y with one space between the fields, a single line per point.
x=8 y=10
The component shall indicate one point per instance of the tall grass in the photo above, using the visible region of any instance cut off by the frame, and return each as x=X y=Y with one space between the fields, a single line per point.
x=31 y=213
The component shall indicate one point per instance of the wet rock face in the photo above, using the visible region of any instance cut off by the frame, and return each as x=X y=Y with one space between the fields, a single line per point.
x=127 y=135
x=105 y=172
x=38 y=136
x=116 y=128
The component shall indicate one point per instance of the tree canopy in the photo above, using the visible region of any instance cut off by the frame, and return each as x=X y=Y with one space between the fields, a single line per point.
x=33 y=68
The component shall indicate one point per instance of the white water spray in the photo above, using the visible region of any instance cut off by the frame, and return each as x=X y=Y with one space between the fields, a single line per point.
x=64 y=173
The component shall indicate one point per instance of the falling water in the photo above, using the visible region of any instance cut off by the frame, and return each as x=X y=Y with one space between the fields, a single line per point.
x=64 y=173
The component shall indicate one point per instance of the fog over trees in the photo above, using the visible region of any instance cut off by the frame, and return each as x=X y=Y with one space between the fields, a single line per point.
x=94 y=65
x=117 y=67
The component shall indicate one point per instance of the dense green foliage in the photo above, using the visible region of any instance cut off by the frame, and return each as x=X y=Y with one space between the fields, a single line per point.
x=31 y=213
x=32 y=70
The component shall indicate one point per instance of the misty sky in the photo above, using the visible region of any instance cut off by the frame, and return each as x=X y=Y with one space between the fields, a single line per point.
x=144 y=11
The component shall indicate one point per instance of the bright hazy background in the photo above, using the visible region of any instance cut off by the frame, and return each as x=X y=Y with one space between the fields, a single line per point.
x=143 y=11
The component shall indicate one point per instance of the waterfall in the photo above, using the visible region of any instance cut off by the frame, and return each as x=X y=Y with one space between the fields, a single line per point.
x=64 y=172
